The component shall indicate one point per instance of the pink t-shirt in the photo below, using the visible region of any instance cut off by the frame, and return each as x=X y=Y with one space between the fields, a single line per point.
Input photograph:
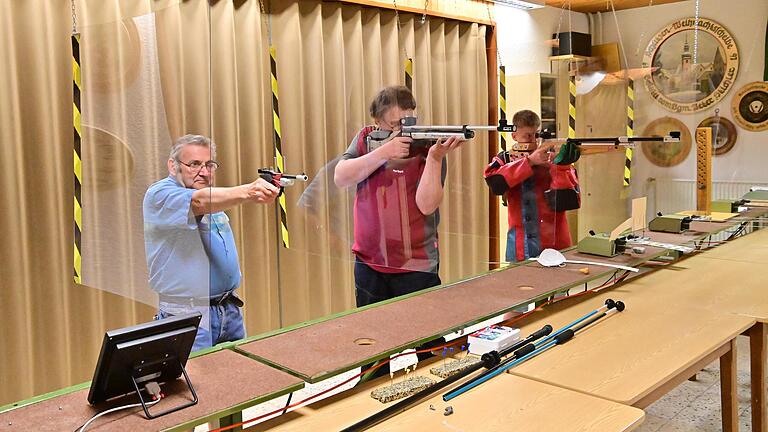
x=391 y=233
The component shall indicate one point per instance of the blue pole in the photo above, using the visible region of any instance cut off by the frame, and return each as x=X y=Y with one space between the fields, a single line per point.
x=469 y=386
x=557 y=338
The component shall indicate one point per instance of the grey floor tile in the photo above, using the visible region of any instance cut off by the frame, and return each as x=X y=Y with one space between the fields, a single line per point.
x=745 y=420
x=683 y=426
x=652 y=423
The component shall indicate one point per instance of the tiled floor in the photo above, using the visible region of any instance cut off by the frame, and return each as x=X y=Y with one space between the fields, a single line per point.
x=695 y=405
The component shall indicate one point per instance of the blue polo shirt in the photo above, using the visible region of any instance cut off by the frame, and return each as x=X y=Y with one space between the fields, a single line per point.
x=187 y=256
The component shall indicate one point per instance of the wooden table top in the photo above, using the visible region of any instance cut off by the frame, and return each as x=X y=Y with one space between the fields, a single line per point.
x=504 y=402
x=627 y=355
x=717 y=285
x=752 y=248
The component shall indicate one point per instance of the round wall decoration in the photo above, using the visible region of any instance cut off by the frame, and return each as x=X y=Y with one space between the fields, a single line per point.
x=112 y=56
x=109 y=162
x=690 y=70
x=723 y=133
x=667 y=154
x=750 y=106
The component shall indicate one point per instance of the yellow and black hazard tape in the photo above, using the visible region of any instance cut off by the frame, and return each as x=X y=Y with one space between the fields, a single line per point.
x=502 y=105
x=78 y=164
x=409 y=73
x=503 y=115
x=630 y=130
x=572 y=106
x=277 y=138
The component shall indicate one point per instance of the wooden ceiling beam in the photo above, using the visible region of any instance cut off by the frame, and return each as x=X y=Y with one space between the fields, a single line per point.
x=591 y=6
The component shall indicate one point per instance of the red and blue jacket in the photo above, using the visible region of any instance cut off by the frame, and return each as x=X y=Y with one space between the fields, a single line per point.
x=534 y=223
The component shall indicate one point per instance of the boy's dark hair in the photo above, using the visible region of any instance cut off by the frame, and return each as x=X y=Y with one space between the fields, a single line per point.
x=391 y=96
x=526 y=118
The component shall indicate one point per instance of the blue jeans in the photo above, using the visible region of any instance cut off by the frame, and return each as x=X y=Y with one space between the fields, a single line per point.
x=222 y=323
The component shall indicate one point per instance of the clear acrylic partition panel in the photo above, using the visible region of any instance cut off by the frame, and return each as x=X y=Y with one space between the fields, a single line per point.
x=361 y=215
x=144 y=84
x=298 y=257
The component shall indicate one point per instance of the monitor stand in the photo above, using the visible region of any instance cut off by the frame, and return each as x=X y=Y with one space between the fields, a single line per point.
x=170 y=410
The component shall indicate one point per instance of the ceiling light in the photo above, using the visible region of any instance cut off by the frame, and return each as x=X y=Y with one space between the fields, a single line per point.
x=522 y=4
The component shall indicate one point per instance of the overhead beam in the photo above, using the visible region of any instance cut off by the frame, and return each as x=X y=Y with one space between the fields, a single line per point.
x=591 y=6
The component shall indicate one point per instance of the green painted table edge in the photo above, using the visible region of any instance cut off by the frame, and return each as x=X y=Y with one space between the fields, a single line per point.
x=234 y=346
x=182 y=426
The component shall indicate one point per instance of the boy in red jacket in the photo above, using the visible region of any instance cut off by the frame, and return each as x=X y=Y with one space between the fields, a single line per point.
x=538 y=191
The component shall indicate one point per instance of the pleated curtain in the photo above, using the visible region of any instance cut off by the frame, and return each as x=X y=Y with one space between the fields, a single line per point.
x=154 y=70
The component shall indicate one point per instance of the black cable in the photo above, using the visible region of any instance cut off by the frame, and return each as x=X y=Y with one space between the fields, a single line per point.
x=287 y=403
x=559 y=337
x=82 y=427
x=488 y=360
x=736 y=233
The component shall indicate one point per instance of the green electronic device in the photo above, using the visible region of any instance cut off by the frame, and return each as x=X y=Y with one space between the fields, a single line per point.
x=601 y=244
x=727 y=206
x=671 y=223
x=756 y=195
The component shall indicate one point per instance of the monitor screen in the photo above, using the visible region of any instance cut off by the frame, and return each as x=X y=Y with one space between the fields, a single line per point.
x=153 y=351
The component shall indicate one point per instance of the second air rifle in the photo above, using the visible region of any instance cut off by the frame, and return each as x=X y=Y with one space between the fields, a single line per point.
x=568 y=148
x=425 y=136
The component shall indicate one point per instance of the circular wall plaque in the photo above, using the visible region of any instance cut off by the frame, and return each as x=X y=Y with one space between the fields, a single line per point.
x=723 y=133
x=108 y=161
x=750 y=106
x=667 y=154
x=112 y=57
x=691 y=70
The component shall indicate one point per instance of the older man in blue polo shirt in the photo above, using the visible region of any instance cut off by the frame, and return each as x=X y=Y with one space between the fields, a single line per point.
x=191 y=255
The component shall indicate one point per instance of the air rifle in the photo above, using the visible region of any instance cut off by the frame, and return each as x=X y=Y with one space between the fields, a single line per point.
x=426 y=136
x=569 y=152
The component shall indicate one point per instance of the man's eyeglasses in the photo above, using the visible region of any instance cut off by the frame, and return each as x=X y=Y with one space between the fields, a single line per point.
x=198 y=165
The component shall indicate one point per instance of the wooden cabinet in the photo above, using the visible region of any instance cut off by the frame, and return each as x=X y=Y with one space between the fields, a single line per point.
x=536 y=92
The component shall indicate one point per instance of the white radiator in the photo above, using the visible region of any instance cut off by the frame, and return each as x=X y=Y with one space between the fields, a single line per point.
x=672 y=195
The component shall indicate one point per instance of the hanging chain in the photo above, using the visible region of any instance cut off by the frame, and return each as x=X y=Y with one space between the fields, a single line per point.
x=266 y=15
x=642 y=35
x=560 y=18
x=696 y=36
x=397 y=20
x=490 y=19
x=424 y=15
x=570 y=30
x=621 y=42
x=74 y=17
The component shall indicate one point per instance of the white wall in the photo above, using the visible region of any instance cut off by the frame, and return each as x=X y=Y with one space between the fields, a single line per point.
x=523 y=48
x=523 y=36
x=746 y=21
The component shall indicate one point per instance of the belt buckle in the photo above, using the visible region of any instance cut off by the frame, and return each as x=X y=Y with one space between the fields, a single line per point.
x=223 y=298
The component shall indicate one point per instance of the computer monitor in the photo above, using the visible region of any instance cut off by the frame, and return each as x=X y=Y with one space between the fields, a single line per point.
x=151 y=352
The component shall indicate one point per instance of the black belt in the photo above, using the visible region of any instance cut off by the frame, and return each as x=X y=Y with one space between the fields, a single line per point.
x=203 y=301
